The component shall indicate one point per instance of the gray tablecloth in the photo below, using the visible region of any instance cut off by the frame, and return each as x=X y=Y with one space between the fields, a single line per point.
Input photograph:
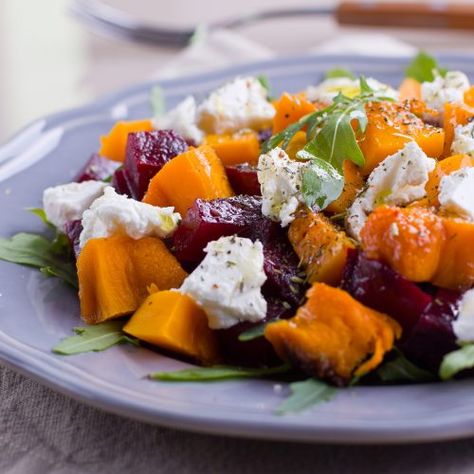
x=44 y=432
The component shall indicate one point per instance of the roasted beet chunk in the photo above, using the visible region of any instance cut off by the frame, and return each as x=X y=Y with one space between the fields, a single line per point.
x=146 y=154
x=121 y=181
x=433 y=336
x=73 y=230
x=243 y=179
x=210 y=220
x=376 y=285
x=97 y=168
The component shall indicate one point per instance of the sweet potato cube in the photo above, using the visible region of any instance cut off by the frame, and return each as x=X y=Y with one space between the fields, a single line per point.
x=235 y=148
x=353 y=183
x=409 y=240
x=115 y=272
x=409 y=89
x=114 y=144
x=333 y=336
x=290 y=108
x=196 y=173
x=454 y=114
x=175 y=322
x=320 y=246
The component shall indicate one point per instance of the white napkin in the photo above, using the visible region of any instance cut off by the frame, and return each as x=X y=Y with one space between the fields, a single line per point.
x=221 y=48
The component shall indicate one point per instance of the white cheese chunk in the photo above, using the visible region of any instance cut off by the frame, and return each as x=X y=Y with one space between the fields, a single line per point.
x=463 y=325
x=114 y=213
x=398 y=180
x=280 y=181
x=239 y=104
x=227 y=283
x=463 y=142
x=68 y=202
x=456 y=193
x=182 y=119
x=450 y=88
x=328 y=89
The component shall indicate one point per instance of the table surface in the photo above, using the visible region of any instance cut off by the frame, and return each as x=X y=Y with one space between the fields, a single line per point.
x=50 y=62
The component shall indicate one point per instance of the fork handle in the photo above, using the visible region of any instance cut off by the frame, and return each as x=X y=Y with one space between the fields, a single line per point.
x=407 y=15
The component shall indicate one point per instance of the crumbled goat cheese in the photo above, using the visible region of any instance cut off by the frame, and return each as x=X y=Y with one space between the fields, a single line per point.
x=280 y=181
x=450 y=88
x=463 y=142
x=182 y=119
x=398 y=180
x=463 y=325
x=67 y=202
x=114 y=213
x=456 y=193
x=239 y=104
x=227 y=284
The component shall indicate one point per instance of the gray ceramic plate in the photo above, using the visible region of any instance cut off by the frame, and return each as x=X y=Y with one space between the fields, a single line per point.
x=36 y=312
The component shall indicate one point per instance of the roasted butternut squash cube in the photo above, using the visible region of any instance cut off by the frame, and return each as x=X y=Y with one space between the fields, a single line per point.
x=409 y=89
x=390 y=126
x=290 y=108
x=456 y=265
x=175 y=322
x=410 y=240
x=235 y=148
x=115 y=272
x=196 y=173
x=333 y=336
x=353 y=183
x=320 y=246
x=454 y=114
x=114 y=144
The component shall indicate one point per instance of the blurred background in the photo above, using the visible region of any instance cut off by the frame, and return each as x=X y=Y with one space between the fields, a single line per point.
x=51 y=60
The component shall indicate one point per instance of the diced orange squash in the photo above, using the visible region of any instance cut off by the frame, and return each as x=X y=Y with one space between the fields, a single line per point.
x=469 y=96
x=196 y=173
x=456 y=265
x=390 y=126
x=353 y=183
x=290 y=108
x=454 y=114
x=410 y=240
x=409 y=89
x=445 y=167
x=333 y=336
x=175 y=322
x=320 y=246
x=114 y=145
x=115 y=272
x=236 y=148
x=297 y=142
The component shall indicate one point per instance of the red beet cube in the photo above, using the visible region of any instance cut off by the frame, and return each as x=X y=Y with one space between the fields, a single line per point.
x=97 y=168
x=122 y=183
x=146 y=154
x=73 y=230
x=243 y=179
x=376 y=285
x=433 y=336
x=210 y=220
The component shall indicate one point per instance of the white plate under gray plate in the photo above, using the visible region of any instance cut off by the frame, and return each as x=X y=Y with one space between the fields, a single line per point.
x=36 y=312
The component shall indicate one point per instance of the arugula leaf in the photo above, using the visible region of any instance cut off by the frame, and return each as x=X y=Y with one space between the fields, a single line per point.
x=218 y=372
x=401 y=369
x=457 y=361
x=422 y=66
x=37 y=251
x=321 y=182
x=94 y=338
x=339 y=72
x=304 y=395
x=157 y=98
x=264 y=81
x=252 y=333
x=37 y=211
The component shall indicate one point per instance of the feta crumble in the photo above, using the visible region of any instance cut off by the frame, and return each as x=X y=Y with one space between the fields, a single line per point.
x=67 y=202
x=182 y=119
x=456 y=193
x=114 y=213
x=280 y=181
x=463 y=325
x=450 y=88
x=398 y=180
x=239 y=104
x=227 y=283
x=463 y=141
x=328 y=89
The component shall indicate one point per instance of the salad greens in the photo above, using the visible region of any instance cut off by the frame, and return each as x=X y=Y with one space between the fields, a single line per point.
x=157 y=99
x=94 y=339
x=339 y=72
x=422 y=66
x=457 y=361
x=400 y=369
